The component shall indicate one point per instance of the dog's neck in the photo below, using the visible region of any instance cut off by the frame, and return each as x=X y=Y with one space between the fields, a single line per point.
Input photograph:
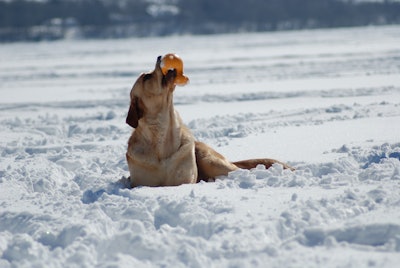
x=162 y=131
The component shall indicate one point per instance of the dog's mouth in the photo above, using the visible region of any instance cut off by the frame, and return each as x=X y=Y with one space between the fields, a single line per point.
x=169 y=78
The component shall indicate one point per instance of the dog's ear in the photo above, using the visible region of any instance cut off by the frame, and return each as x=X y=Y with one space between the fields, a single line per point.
x=134 y=113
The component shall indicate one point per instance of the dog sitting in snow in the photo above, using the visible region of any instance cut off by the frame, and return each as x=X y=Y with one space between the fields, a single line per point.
x=161 y=150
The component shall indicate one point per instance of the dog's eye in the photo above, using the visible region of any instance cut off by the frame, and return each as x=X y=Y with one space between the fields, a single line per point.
x=146 y=77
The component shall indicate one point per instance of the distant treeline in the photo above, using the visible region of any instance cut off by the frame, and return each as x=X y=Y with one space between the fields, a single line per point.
x=53 y=19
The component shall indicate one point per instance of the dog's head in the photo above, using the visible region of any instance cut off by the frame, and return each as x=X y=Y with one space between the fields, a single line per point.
x=150 y=94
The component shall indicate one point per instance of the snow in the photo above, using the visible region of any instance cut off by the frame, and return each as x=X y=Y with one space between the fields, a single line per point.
x=325 y=101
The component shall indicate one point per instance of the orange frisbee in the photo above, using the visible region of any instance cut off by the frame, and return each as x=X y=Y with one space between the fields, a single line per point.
x=173 y=61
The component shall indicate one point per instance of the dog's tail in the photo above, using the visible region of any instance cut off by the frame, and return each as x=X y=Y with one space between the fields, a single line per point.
x=252 y=163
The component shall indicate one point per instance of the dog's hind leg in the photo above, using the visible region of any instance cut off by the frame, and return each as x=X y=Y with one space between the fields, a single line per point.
x=252 y=163
x=211 y=164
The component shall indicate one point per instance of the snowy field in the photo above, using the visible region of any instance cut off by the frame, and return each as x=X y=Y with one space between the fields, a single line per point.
x=325 y=101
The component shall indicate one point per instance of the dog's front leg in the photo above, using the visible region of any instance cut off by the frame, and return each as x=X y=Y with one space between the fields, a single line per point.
x=182 y=166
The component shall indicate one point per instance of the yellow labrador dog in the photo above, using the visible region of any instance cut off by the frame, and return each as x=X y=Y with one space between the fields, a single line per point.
x=161 y=150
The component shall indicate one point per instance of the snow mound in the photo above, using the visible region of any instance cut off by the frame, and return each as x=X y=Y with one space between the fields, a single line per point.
x=260 y=214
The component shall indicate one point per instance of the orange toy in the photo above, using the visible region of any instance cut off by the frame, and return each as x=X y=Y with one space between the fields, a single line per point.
x=173 y=61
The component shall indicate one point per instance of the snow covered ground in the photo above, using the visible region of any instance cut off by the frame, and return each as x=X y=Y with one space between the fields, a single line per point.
x=325 y=101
